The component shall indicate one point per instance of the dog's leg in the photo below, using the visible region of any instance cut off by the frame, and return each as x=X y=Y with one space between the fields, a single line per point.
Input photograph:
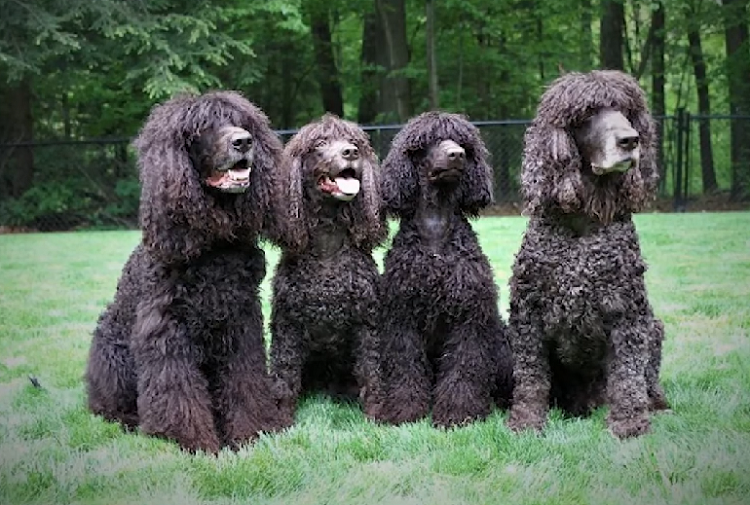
x=173 y=398
x=110 y=372
x=406 y=381
x=531 y=371
x=466 y=375
x=245 y=400
x=657 y=398
x=369 y=372
x=627 y=389
x=289 y=351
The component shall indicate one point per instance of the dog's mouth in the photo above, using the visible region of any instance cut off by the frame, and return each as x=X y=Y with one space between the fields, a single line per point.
x=233 y=179
x=344 y=186
x=621 y=166
x=446 y=175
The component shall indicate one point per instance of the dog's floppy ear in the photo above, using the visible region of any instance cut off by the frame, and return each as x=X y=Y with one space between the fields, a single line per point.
x=255 y=206
x=173 y=206
x=399 y=184
x=293 y=232
x=369 y=226
x=550 y=175
x=476 y=182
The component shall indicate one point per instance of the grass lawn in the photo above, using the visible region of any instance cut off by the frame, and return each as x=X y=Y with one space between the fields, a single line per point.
x=52 y=450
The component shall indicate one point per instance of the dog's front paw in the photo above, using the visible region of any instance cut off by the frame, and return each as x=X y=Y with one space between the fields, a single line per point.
x=658 y=400
x=399 y=413
x=630 y=426
x=448 y=416
x=524 y=418
x=206 y=442
x=196 y=433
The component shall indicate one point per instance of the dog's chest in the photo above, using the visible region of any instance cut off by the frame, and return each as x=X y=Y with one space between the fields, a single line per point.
x=434 y=227
x=590 y=280
x=330 y=294
x=220 y=289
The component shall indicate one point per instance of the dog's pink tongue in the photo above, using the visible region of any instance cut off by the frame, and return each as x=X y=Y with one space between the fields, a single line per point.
x=348 y=185
x=216 y=179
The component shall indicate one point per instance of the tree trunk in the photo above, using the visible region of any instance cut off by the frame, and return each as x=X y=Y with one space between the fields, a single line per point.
x=704 y=108
x=16 y=162
x=586 y=48
x=328 y=72
x=395 y=92
x=738 y=70
x=431 y=55
x=658 y=101
x=611 y=28
x=371 y=59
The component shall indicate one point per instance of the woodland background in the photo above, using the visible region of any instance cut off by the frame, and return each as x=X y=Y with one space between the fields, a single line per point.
x=78 y=77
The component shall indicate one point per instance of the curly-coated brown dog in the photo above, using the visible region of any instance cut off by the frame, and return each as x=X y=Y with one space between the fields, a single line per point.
x=582 y=329
x=443 y=342
x=325 y=289
x=179 y=352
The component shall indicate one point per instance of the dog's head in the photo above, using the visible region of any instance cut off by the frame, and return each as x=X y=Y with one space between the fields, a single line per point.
x=437 y=155
x=591 y=148
x=330 y=172
x=207 y=167
x=224 y=158
x=608 y=143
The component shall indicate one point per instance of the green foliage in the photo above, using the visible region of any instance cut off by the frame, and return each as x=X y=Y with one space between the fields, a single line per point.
x=72 y=203
x=78 y=186
x=494 y=58
x=96 y=68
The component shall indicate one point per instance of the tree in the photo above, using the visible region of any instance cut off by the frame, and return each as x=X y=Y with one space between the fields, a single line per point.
x=431 y=56
x=611 y=33
x=53 y=26
x=395 y=93
x=373 y=62
x=658 y=96
x=704 y=99
x=738 y=70
x=16 y=163
x=327 y=71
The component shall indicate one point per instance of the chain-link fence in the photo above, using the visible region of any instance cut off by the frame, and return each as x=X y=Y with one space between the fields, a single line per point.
x=77 y=184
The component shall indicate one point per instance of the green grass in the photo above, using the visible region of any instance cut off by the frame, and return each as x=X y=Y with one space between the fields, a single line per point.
x=53 y=287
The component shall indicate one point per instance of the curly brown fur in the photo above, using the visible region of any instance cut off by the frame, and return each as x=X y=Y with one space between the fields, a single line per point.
x=443 y=342
x=325 y=289
x=179 y=352
x=582 y=330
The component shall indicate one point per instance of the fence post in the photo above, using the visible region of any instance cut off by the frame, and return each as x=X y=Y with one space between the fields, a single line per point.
x=687 y=122
x=680 y=170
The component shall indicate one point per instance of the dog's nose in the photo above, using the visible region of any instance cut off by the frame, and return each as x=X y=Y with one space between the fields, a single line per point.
x=241 y=141
x=456 y=153
x=628 y=141
x=350 y=152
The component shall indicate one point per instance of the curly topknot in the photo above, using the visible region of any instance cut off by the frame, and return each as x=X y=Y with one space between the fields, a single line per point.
x=401 y=177
x=552 y=177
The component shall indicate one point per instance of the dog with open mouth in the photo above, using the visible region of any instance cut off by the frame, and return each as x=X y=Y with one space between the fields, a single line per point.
x=325 y=289
x=179 y=353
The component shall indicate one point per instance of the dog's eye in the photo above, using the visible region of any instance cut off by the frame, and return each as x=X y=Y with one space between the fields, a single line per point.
x=320 y=143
